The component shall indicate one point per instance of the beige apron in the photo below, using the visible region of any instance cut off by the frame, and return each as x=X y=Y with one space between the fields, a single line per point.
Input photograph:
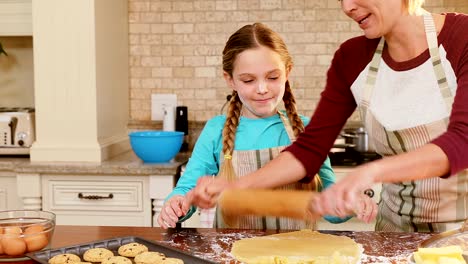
x=428 y=205
x=245 y=162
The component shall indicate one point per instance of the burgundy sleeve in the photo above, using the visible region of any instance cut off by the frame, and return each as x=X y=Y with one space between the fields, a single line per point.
x=454 y=142
x=335 y=106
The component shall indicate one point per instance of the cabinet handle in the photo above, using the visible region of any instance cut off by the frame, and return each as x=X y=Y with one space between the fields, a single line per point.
x=95 y=197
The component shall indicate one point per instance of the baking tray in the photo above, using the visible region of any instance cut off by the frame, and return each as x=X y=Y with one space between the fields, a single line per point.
x=113 y=245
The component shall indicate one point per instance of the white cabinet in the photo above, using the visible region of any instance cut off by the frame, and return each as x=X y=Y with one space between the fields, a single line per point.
x=9 y=199
x=353 y=224
x=15 y=18
x=98 y=200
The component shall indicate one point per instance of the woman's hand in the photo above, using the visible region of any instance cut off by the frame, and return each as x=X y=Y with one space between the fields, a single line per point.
x=346 y=196
x=206 y=193
x=171 y=211
x=366 y=209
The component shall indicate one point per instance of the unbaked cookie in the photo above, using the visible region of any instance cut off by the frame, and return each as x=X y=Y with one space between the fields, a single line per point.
x=149 y=257
x=117 y=260
x=97 y=254
x=132 y=249
x=64 y=259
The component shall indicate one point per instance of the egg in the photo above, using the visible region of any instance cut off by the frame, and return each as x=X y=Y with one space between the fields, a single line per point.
x=13 y=230
x=36 y=242
x=13 y=245
x=34 y=229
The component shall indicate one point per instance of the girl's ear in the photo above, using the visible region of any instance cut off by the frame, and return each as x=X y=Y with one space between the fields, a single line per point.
x=288 y=70
x=229 y=80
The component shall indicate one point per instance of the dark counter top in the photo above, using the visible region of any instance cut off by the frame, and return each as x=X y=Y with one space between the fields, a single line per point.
x=215 y=244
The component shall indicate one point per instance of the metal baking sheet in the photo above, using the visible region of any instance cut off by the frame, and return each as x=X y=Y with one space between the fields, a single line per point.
x=113 y=245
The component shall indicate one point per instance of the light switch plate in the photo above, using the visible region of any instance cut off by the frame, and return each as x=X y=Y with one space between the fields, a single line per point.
x=158 y=102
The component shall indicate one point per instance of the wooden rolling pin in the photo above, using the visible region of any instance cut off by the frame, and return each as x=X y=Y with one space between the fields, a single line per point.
x=261 y=202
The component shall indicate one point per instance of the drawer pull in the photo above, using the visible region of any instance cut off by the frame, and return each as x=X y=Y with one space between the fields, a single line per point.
x=95 y=197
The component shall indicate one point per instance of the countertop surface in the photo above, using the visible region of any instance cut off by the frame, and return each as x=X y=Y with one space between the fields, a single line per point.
x=215 y=244
x=125 y=164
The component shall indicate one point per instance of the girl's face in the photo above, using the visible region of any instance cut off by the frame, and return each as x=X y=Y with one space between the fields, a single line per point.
x=376 y=18
x=259 y=77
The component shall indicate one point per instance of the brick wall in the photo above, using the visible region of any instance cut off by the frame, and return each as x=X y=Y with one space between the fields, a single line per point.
x=175 y=47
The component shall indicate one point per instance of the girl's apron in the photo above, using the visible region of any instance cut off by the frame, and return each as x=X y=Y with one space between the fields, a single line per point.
x=248 y=161
x=428 y=205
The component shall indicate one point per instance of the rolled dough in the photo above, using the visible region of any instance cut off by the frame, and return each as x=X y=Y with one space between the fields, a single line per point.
x=299 y=247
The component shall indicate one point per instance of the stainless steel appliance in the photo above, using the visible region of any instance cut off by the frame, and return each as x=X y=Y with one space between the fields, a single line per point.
x=17 y=130
x=352 y=148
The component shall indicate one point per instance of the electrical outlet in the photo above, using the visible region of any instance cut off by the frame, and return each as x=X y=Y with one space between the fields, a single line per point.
x=158 y=102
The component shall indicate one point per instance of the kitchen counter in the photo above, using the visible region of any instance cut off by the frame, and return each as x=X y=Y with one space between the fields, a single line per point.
x=125 y=164
x=215 y=244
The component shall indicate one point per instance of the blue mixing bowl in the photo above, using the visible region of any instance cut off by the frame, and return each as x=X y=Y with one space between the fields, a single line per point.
x=156 y=146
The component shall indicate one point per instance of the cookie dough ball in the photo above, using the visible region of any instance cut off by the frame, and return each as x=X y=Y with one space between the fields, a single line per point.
x=117 y=260
x=149 y=258
x=64 y=259
x=97 y=254
x=172 y=261
x=132 y=249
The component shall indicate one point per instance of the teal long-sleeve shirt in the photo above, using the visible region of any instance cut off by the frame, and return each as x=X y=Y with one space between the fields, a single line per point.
x=252 y=134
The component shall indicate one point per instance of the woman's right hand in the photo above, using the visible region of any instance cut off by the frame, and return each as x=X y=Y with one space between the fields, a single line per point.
x=171 y=212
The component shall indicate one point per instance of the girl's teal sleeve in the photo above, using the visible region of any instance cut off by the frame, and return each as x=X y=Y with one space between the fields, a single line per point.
x=328 y=178
x=203 y=162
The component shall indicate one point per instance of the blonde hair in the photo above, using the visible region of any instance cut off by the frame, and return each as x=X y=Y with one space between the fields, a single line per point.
x=249 y=37
x=414 y=7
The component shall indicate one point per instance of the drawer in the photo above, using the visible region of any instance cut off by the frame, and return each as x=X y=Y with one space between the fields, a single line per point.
x=98 y=195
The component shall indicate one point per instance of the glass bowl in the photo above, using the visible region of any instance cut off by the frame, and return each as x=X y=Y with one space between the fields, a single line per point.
x=24 y=231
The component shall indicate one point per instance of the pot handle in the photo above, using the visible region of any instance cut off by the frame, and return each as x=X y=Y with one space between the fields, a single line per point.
x=344 y=145
x=346 y=135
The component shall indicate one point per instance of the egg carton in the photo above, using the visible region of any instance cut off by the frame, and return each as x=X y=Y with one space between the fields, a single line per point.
x=113 y=245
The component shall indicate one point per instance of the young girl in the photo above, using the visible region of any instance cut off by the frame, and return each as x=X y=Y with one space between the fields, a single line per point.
x=256 y=66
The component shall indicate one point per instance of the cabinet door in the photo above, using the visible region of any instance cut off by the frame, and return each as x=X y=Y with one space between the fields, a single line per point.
x=98 y=200
x=9 y=199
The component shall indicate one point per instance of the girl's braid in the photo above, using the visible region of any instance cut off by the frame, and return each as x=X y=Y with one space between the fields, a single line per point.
x=291 y=110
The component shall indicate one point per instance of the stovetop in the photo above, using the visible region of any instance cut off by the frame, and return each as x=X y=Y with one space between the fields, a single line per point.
x=352 y=157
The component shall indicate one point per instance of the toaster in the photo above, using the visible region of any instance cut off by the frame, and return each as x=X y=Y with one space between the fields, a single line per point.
x=17 y=133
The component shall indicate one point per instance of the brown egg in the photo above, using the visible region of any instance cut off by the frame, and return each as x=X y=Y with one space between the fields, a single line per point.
x=34 y=229
x=36 y=242
x=1 y=248
x=12 y=230
x=13 y=245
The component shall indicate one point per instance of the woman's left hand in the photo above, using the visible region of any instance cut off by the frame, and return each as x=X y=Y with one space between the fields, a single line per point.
x=345 y=197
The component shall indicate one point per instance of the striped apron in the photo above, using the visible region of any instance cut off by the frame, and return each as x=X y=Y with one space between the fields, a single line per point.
x=429 y=205
x=248 y=161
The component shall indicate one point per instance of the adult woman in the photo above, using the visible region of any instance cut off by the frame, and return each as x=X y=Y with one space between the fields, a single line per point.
x=256 y=66
x=409 y=77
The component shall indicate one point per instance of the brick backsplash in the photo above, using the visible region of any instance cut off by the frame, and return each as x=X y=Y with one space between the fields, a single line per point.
x=175 y=47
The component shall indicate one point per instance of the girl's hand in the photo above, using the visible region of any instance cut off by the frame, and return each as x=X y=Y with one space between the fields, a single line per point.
x=206 y=193
x=171 y=212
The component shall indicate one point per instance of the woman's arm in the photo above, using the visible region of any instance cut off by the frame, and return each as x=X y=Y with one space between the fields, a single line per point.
x=425 y=162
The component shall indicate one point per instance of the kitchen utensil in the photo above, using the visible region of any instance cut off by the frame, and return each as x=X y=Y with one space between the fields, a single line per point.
x=153 y=146
x=358 y=139
x=23 y=231
x=113 y=245
x=281 y=203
